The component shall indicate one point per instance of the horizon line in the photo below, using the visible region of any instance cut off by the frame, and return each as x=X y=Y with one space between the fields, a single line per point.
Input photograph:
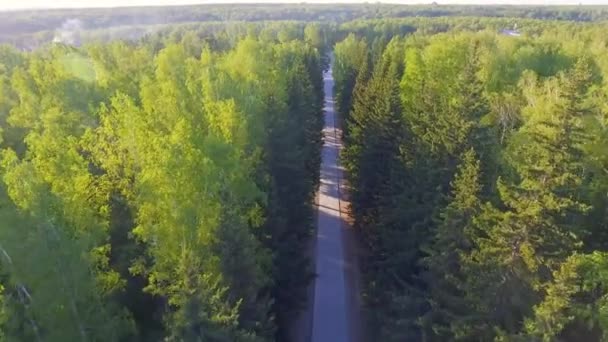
x=314 y=2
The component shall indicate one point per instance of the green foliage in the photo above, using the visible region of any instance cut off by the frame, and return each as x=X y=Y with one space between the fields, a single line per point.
x=148 y=192
x=478 y=195
x=350 y=63
x=161 y=189
x=451 y=242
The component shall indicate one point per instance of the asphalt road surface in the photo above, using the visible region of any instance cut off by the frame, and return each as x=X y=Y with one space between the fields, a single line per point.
x=330 y=311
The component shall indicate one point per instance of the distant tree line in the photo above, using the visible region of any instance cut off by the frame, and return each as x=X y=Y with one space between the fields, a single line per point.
x=30 y=29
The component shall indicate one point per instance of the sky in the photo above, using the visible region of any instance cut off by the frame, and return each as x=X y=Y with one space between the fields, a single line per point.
x=21 y=4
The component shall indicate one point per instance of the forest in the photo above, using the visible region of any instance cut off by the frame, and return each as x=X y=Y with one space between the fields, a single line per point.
x=477 y=166
x=30 y=29
x=157 y=193
x=160 y=186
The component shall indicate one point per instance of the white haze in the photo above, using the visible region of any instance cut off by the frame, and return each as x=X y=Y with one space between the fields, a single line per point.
x=69 y=32
x=23 y=4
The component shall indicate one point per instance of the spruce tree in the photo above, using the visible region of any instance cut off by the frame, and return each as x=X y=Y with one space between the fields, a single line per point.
x=451 y=239
x=522 y=246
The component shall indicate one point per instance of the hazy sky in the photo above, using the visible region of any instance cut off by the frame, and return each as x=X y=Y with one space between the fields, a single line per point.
x=17 y=4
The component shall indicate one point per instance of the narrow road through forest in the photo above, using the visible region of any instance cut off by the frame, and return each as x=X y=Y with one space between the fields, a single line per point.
x=330 y=312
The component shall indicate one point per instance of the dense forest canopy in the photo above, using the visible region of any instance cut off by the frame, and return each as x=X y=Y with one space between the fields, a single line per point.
x=157 y=192
x=159 y=186
x=476 y=160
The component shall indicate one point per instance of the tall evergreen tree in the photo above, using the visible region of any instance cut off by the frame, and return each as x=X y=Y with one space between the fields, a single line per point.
x=350 y=59
x=451 y=240
x=525 y=244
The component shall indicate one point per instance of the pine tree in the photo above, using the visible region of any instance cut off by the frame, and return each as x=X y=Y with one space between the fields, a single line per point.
x=374 y=126
x=374 y=162
x=292 y=151
x=350 y=59
x=451 y=239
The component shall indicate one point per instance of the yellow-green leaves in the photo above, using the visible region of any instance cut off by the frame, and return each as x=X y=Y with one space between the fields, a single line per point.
x=163 y=184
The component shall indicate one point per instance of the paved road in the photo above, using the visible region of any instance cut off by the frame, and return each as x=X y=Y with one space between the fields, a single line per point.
x=330 y=304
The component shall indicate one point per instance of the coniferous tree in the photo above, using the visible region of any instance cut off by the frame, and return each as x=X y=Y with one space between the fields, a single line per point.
x=451 y=240
x=350 y=59
x=525 y=244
